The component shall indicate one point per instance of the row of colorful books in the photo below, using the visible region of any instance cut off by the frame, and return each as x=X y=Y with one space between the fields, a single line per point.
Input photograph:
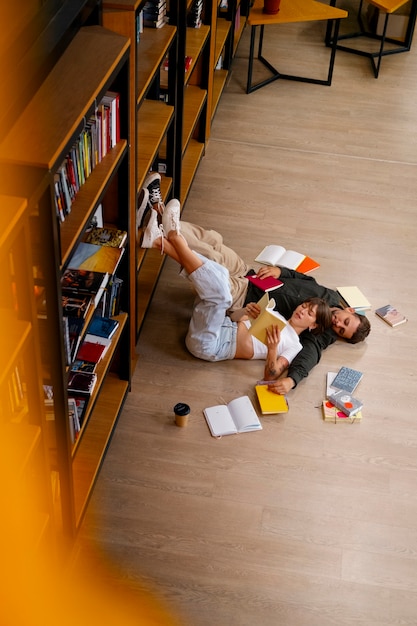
x=100 y=134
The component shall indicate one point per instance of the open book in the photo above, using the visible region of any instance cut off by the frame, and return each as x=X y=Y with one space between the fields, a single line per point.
x=278 y=255
x=267 y=317
x=238 y=416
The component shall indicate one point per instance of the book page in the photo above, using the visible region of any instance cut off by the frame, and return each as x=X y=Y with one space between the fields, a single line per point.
x=244 y=415
x=220 y=420
x=270 y=255
x=291 y=259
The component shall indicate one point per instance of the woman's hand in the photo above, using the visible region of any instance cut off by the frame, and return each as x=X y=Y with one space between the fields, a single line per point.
x=253 y=310
x=272 y=338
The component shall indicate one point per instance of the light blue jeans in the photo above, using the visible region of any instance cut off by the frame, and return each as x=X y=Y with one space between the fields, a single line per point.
x=211 y=334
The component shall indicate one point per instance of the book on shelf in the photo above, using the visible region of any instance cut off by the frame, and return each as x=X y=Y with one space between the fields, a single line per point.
x=270 y=403
x=89 y=256
x=90 y=351
x=278 y=255
x=332 y=414
x=74 y=422
x=353 y=297
x=83 y=366
x=390 y=315
x=347 y=403
x=103 y=326
x=112 y=100
x=238 y=416
x=347 y=379
x=113 y=237
x=81 y=405
x=266 y=284
x=81 y=382
x=84 y=282
x=267 y=317
x=75 y=305
x=75 y=329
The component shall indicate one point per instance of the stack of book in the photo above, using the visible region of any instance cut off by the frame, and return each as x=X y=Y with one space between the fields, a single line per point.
x=194 y=18
x=154 y=13
x=340 y=405
x=95 y=344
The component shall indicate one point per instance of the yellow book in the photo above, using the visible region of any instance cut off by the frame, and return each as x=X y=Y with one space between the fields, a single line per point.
x=270 y=402
x=268 y=317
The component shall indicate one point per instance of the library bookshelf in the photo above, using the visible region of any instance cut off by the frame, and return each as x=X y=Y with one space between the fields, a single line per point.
x=34 y=149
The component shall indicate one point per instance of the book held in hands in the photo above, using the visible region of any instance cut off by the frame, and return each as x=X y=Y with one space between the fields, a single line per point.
x=390 y=315
x=266 y=284
x=267 y=318
x=238 y=416
x=278 y=255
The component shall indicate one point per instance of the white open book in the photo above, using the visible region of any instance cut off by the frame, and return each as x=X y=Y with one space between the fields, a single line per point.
x=238 y=416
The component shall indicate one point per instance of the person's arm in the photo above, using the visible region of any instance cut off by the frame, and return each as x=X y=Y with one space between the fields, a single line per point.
x=275 y=364
x=306 y=359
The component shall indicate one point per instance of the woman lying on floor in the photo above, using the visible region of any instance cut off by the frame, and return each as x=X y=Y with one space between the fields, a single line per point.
x=212 y=335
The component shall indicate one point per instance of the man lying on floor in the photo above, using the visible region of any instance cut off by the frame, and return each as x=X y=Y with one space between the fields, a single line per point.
x=346 y=323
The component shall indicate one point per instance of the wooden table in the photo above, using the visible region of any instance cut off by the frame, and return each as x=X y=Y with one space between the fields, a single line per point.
x=386 y=7
x=291 y=11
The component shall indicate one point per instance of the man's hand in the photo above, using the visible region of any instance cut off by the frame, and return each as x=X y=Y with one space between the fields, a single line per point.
x=264 y=272
x=282 y=386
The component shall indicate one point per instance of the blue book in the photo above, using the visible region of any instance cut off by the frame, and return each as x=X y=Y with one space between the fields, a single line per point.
x=103 y=327
x=347 y=379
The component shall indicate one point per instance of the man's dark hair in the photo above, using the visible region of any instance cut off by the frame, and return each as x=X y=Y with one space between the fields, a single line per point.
x=362 y=330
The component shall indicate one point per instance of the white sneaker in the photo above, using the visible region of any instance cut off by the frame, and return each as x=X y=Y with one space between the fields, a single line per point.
x=152 y=232
x=143 y=206
x=171 y=217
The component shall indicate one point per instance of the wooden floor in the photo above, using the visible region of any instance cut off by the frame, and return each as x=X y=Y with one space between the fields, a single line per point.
x=305 y=523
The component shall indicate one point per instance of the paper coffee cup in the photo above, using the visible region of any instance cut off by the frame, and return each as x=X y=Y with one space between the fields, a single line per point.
x=181 y=412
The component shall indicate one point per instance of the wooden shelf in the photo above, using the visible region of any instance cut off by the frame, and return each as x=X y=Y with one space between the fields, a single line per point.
x=196 y=39
x=88 y=198
x=191 y=161
x=194 y=101
x=153 y=120
x=49 y=123
x=152 y=50
x=91 y=450
x=223 y=28
x=219 y=83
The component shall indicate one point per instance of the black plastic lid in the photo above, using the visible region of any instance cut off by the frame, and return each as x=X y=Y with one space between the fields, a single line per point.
x=181 y=409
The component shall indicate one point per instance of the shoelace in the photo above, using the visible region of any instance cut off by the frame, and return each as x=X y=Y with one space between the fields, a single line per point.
x=155 y=195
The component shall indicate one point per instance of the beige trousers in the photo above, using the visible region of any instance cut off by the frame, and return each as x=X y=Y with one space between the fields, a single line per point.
x=210 y=244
